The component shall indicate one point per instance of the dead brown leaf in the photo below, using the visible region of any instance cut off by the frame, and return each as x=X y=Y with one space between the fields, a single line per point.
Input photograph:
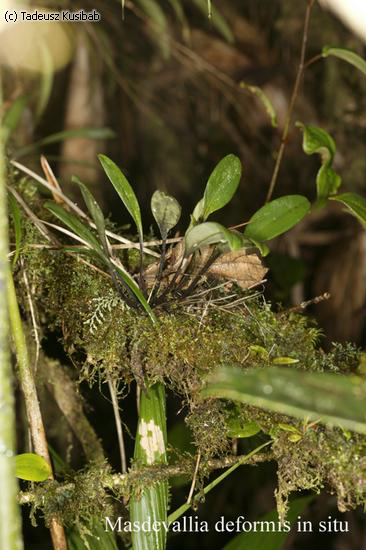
x=243 y=267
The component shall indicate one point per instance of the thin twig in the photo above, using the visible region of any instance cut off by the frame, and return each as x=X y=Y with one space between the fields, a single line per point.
x=191 y=491
x=295 y=92
x=118 y=481
x=33 y=316
x=117 y=418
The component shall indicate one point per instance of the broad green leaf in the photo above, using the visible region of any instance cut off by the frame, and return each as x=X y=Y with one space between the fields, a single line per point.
x=12 y=115
x=221 y=185
x=74 y=224
x=216 y=18
x=355 y=204
x=88 y=133
x=271 y=539
x=327 y=182
x=124 y=190
x=336 y=399
x=32 y=467
x=166 y=211
x=317 y=140
x=151 y=501
x=94 y=209
x=236 y=428
x=98 y=538
x=347 y=55
x=209 y=233
x=15 y=213
x=276 y=217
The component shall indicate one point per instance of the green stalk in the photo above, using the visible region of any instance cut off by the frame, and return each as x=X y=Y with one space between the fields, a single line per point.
x=149 y=503
x=10 y=524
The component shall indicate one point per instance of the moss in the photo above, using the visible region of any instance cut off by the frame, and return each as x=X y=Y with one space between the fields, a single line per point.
x=106 y=339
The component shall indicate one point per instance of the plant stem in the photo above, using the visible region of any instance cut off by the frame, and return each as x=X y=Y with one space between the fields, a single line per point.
x=150 y=502
x=180 y=511
x=10 y=524
x=31 y=399
x=113 y=392
x=295 y=92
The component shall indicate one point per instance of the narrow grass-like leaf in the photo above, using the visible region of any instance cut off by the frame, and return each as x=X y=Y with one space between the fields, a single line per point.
x=346 y=55
x=74 y=224
x=276 y=217
x=221 y=185
x=32 y=467
x=12 y=115
x=218 y=21
x=355 y=204
x=94 y=209
x=124 y=189
x=337 y=399
x=15 y=214
x=263 y=98
x=136 y=290
x=209 y=233
x=317 y=140
x=88 y=133
x=166 y=211
x=271 y=539
x=158 y=22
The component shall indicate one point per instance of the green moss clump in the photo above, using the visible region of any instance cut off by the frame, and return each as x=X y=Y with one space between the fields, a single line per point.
x=106 y=339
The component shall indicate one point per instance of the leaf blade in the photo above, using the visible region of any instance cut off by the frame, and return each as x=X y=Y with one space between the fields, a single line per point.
x=276 y=217
x=166 y=211
x=346 y=55
x=124 y=190
x=221 y=185
x=355 y=204
x=32 y=467
x=337 y=399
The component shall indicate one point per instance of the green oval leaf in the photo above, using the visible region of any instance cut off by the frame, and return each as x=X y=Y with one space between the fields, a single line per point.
x=32 y=467
x=337 y=400
x=124 y=190
x=355 y=204
x=347 y=55
x=209 y=233
x=166 y=211
x=240 y=429
x=276 y=217
x=94 y=210
x=221 y=185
